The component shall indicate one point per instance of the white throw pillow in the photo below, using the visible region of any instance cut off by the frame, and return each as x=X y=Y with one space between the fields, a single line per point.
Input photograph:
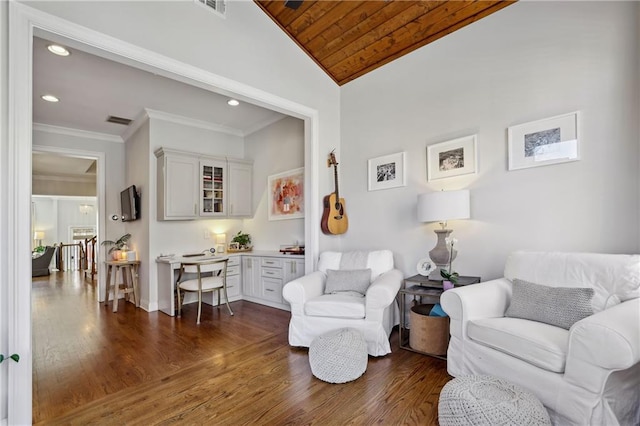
x=348 y=280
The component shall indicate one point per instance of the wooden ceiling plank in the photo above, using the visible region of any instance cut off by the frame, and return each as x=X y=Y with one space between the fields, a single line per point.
x=271 y=7
x=344 y=74
x=342 y=10
x=285 y=15
x=310 y=16
x=390 y=31
x=359 y=29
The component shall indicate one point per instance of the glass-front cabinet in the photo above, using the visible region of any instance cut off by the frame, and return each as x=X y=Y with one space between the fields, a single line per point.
x=213 y=188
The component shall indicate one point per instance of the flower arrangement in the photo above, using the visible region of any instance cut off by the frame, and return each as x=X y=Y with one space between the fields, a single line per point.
x=243 y=240
x=449 y=274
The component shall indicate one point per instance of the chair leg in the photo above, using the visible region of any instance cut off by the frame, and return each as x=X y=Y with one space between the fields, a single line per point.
x=226 y=299
x=199 y=306
x=179 y=303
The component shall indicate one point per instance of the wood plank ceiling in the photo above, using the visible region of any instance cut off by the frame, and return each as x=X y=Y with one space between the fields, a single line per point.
x=350 y=38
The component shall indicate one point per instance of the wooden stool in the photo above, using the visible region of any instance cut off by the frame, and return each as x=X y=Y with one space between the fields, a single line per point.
x=129 y=272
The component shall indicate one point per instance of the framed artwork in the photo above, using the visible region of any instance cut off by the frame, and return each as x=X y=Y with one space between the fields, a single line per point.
x=388 y=171
x=452 y=158
x=548 y=141
x=286 y=195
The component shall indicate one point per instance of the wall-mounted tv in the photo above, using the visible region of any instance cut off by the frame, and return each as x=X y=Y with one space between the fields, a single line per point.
x=130 y=204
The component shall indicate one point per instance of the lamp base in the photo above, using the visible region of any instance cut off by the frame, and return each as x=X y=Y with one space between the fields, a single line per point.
x=440 y=254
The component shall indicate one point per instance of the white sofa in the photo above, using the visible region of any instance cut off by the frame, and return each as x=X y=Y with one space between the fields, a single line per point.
x=586 y=375
x=314 y=313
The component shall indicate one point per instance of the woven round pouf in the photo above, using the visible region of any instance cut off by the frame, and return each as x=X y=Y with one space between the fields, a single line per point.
x=486 y=400
x=339 y=356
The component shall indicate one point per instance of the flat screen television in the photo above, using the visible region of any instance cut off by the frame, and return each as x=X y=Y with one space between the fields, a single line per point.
x=130 y=204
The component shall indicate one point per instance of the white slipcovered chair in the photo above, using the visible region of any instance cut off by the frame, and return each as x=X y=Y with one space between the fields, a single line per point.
x=314 y=313
x=585 y=372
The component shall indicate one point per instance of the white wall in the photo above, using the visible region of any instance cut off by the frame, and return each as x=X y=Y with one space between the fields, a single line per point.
x=55 y=216
x=274 y=149
x=526 y=62
x=137 y=173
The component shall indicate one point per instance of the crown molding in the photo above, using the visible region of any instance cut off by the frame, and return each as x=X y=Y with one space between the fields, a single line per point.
x=137 y=122
x=66 y=178
x=85 y=134
x=263 y=124
x=178 y=119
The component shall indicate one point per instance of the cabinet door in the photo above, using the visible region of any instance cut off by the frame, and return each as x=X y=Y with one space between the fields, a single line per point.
x=250 y=276
x=240 y=188
x=292 y=269
x=177 y=182
x=213 y=188
x=233 y=286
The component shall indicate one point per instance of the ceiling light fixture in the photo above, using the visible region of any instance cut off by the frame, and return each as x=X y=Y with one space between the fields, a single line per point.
x=50 y=98
x=58 y=50
x=233 y=102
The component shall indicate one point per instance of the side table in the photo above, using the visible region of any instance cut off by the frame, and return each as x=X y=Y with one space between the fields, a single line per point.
x=129 y=271
x=427 y=292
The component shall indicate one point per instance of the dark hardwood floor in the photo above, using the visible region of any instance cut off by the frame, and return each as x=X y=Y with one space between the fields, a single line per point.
x=91 y=366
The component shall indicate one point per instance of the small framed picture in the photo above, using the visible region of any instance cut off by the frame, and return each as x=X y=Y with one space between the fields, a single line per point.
x=452 y=158
x=548 y=141
x=286 y=195
x=387 y=172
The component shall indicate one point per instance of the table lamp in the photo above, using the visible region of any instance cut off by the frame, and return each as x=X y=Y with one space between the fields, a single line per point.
x=221 y=241
x=441 y=207
x=38 y=236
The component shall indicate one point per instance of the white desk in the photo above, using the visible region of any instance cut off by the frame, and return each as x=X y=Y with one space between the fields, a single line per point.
x=168 y=270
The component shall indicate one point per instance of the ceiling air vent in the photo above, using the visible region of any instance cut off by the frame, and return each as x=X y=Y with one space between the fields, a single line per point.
x=118 y=120
x=218 y=6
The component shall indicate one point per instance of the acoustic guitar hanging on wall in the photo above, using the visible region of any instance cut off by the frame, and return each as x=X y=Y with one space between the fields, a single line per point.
x=334 y=218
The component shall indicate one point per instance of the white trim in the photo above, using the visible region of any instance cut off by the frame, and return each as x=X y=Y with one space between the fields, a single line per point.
x=67 y=197
x=23 y=21
x=60 y=178
x=193 y=122
x=68 y=131
x=137 y=122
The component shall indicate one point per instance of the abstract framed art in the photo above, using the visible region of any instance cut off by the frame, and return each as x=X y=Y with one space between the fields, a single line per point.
x=452 y=158
x=388 y=171
x=543 y=142
x=286 y=195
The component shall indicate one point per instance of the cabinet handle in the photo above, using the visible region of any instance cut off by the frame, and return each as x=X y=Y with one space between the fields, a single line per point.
x=195 y=208
x=268 y=289
x=231 y=208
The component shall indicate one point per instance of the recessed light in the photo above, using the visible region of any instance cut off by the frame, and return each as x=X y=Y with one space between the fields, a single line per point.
x=58 y=50
x=233 y=102
x=50 y=98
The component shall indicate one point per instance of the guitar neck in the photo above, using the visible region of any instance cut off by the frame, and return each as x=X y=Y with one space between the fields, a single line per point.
x=335 y=177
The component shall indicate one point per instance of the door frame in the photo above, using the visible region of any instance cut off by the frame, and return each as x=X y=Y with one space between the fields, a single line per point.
x=24 y=23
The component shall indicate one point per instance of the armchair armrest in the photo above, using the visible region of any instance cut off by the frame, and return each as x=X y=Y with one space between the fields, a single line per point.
x=489 y=299
x=608 y=339
x=298 y=291
x=384 y=289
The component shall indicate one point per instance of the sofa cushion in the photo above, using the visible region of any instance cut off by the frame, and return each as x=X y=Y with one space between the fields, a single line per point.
x=539 y=344
x=559 y=306
x=614 y=277
x=336 y=306
x=350 y=280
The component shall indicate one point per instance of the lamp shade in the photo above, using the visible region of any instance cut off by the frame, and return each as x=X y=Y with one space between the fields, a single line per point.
x=221 y=238
x=443 y=206
x=38 y=235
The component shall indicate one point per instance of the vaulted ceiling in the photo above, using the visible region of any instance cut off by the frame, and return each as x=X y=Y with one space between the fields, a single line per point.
x=350 y=38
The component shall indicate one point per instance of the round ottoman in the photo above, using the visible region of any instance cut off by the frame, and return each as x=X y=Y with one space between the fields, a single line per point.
x=486 y=400
x=338 y=356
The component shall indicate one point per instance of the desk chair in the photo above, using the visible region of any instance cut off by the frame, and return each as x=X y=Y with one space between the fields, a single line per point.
x=216 y=269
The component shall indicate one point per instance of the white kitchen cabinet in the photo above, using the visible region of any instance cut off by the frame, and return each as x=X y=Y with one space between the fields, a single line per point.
x=233 y=279
x=240 y=200
x=292 y=269
x=213 y=188
x=177 y=180
x=250 y=276
x=197 y=186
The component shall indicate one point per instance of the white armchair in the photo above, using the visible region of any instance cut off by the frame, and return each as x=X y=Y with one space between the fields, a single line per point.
x=314 y=313
x=588 y=374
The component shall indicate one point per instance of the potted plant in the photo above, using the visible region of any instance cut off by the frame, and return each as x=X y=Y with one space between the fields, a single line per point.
x=116 y=246
x=243 y=240
x=450 y=277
